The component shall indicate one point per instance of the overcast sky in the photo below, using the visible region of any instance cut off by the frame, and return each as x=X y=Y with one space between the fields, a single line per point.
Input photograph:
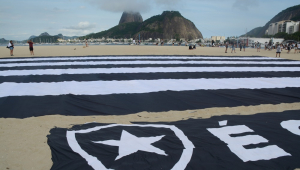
x=19 y=19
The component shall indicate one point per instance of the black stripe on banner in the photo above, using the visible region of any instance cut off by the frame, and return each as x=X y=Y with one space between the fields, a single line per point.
x=143 y=76
x=145 y=65
x=122 y=104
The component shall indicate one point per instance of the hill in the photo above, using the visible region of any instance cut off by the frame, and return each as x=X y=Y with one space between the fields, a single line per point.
x=3 y=41
x=130 y=17
x=170 y=24
x=47 y=38
x=292 y=13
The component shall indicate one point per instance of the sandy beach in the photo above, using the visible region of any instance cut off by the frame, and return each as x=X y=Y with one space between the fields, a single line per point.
x=45 y=51
x=24 y=141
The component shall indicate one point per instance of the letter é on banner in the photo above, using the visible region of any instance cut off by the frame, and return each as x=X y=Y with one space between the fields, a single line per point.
x=292 y=126
x=236 y=144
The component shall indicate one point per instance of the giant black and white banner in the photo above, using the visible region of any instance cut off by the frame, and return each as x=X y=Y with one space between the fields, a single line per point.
x=262 y=141
x=119 y=85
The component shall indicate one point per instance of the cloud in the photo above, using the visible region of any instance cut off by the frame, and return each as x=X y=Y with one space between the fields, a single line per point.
x=82 y=28
x=245 y=4
x=132 y=5
x=169 y=4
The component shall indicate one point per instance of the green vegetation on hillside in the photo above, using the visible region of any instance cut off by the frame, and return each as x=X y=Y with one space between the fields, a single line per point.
x=120 y=31
x=127 y=30
x=2 y=41
x=283 y=15
x=45 y=39
x=158 y=19
x=286 y=36
x=296 y=7
x=297 y=18
x=253 y=32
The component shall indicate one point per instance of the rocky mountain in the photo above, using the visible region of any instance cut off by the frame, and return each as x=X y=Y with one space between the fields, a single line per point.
x=65 y=37
x=2 y=40
x=44 y=34
x=292 y=13
x=130 y=17
x=168 y=25
x=32 y=37
x=45 y=37
x=59 y=35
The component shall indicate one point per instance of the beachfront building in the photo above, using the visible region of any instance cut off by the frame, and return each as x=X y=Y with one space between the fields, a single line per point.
x=207 y=40
x=250 y=41
x=287 y=26
x=60 y=40
x=218 y=38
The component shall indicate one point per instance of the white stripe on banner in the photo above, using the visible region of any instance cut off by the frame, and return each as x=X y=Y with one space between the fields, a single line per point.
x=141 y=86
x=144 y=70
x=145 y=62
x=137 y=58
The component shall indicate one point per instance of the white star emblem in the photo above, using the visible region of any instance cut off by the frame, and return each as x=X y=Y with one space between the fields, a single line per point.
x=130 y=144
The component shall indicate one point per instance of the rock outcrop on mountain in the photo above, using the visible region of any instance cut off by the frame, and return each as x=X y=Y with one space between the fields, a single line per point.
x=2 y=40
x=130 y=17
x=168 y=25
x=32 y=37
x=292 y=13
x=44 y=34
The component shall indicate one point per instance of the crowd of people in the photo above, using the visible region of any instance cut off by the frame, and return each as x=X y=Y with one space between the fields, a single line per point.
x=280 y=47
x=268 y=46
x=233 y=45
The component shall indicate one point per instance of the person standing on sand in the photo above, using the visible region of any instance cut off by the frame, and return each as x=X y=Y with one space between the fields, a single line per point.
x=244 y=46
x=289 y=48
x=266 y=45
x=258 y=46
x=226 y=46
x=31 y=47
x=86 y=43
x=233 y=47
x=240 y=44
x=278 y=50
x=296 y=48
x=11 y=47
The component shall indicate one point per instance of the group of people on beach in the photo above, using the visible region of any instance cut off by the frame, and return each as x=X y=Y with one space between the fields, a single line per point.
x=288 y=47
x=268 y=46
x=233 y=45
x=257 y=45
x=11 y=47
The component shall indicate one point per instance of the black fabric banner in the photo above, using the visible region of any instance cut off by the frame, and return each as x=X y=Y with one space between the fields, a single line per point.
x=122 y=104
x=76 y=85
x=262 y=141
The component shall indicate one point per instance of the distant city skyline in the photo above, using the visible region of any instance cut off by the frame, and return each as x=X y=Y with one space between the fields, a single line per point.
x=21 y=19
